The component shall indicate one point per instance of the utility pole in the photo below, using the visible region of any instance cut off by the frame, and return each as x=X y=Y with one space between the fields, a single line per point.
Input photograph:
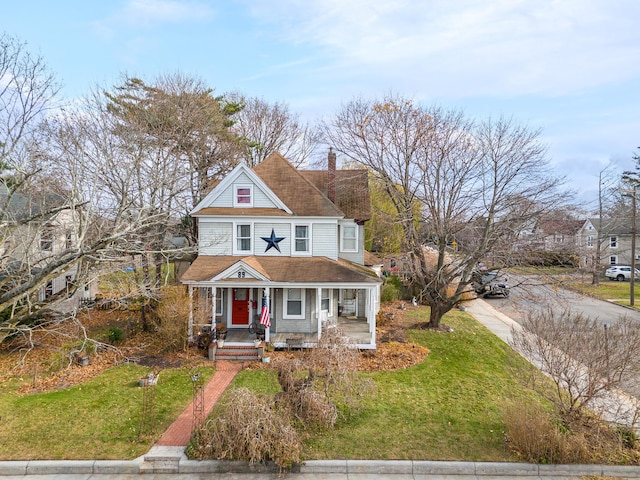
x=633 y=249
x=632 y=290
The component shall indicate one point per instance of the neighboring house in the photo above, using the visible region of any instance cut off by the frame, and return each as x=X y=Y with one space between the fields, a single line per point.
x=292 y=241
x=557 y=235
x=34 y=228
x=615 y=241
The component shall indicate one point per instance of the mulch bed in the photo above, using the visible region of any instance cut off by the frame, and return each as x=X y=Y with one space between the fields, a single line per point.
x=393 y=352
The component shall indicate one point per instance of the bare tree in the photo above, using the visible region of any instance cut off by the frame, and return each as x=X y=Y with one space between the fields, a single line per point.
x=267 y=128
x=587 y=362
x=27 y=90
x=491 y=176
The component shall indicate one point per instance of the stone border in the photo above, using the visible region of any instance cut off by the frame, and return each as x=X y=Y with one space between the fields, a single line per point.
x=372 y=467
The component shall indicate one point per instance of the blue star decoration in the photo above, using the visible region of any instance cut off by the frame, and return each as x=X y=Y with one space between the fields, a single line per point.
x=272 y=241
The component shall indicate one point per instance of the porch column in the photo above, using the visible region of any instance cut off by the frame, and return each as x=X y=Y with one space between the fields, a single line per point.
x=190 y=325
x=373 y=302
x=266 y=295
x=318 y=310
x=214 y=304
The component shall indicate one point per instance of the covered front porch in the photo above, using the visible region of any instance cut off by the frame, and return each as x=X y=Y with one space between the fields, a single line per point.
x=291 y=301
x=356 y=329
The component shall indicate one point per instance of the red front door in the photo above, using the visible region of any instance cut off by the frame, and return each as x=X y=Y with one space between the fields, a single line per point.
x=240 y=307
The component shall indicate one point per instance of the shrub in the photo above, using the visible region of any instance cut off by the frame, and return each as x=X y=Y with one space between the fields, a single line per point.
x=251 y=428
x=116 y=335
x=389 y=293
x=172 y=315
x=306 y=405
x=537 y=437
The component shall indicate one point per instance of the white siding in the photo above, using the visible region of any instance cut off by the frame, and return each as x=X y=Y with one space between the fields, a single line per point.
x=225 y=199
x=325 y=240
x=264 y=230
x=215 y=238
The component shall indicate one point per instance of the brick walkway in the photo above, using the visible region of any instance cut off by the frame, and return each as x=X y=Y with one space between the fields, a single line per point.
x=179 y=432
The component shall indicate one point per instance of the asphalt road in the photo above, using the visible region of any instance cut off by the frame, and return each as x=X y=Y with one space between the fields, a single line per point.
x=530 y=293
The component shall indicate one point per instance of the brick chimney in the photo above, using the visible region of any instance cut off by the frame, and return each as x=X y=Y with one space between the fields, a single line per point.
x=331 y=176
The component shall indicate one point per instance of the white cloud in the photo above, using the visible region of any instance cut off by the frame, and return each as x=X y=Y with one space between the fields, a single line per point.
x=145 y=14
x=468 y=47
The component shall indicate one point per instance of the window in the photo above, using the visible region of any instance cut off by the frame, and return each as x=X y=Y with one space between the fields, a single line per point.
x=68 y=243
x=301 y=239
x=46 y=240
x=243 y=196
x=613 y=260
x=243 y=239
x=590 y=241
x=294 y=303
x=559 y=238
x=349 y=239
x=613 y=242
x=48 y=290
x=325 y=300
x=218 y=302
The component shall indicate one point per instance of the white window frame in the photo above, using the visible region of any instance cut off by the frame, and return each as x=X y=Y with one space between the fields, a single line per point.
x=329 y=297
x=589 y=240
x=613 y=260
x=47 y=239
x=218 y=301
x=238 y=187
x=286 y=313
x=295 y=251
x=343 y=229
x=236 y=250
x=613 y=241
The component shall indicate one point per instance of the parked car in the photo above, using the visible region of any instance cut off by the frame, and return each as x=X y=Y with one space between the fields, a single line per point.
x=620 y=273
x=489 y=284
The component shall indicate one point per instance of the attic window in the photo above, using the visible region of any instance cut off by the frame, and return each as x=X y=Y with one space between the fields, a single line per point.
x=243 y=196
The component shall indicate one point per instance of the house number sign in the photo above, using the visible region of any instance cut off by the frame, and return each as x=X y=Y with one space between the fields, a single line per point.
x=241 y=274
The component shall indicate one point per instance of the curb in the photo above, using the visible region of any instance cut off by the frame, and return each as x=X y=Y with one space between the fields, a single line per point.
x=345 y=467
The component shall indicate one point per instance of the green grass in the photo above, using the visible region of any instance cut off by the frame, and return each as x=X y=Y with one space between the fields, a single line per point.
x=447 y=408
x=99 y=419
x=619 y=292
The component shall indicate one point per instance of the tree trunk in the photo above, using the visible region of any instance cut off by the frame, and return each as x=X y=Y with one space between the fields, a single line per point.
x=438 y=310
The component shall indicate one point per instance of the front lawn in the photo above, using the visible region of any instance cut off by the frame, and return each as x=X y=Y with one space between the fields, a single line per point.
x=447 y=408
x=99 y=419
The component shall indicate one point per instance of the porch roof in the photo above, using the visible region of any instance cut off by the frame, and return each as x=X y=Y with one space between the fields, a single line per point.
x=283 y=269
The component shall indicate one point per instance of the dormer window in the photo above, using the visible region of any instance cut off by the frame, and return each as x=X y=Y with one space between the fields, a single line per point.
x=243 y=196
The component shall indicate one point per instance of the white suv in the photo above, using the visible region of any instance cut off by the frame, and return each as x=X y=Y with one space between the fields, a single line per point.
x=620 y=273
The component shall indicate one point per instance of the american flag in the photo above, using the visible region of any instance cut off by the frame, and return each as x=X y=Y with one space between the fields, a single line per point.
x=264 y=315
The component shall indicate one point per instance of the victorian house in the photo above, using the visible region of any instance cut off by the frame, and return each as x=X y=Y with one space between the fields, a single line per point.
x=282 y=249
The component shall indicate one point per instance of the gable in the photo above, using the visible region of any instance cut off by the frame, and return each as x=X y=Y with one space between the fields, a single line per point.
x=241 y=181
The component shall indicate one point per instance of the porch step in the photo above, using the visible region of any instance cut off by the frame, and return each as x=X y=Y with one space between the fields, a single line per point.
x=353 y=326
x=234 y=352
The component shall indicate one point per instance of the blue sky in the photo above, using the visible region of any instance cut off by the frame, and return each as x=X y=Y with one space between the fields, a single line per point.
x=569 y=67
